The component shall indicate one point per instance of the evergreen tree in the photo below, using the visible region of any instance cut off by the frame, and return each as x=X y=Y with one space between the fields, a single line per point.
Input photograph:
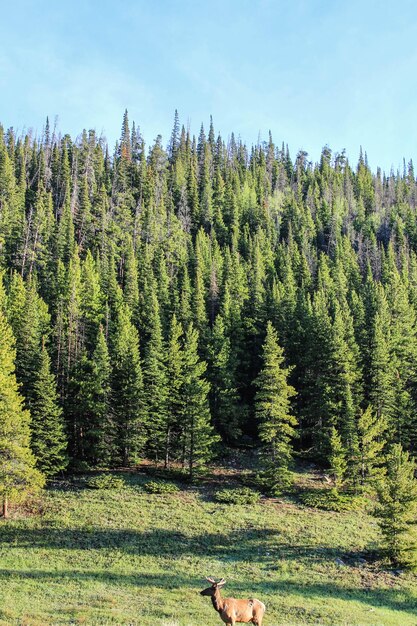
x=337 y=459
x=155 y=383
x=371 y=434
x=92 y=437
x=397 y=508
x=174 y=361
x=48 y=439
x=273 y=408
x=127 y=402
x=18 y=475
x=198 y=436
x=223 y=393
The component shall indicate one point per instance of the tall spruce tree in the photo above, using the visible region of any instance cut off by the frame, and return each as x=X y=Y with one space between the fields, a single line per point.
x=127 y=400
x=155 y=383
x=92 y=437
x=337 y=458
x=372 y=441
x=48 y=438
x=174 y=361
x=198 y=436
x=18 y=474
x=223 y=393
x=397 y=508
x=273 y=410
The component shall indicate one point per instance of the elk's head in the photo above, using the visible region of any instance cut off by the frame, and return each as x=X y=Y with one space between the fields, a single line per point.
x=210 y=591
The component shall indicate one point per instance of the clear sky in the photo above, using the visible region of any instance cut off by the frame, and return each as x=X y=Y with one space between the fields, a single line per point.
x=314 y=72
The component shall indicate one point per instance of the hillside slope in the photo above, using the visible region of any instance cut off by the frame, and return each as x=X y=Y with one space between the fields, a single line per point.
x=128 y=558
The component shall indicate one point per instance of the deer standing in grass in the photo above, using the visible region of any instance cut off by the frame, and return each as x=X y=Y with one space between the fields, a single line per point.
x=234 y=611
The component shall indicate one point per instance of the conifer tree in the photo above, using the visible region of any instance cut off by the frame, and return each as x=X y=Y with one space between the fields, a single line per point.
x=273 y=409
x=154 y=379
x=371 y=435
x=18 y=475
x=223 y=394
x=381 y=368
x=127 y=402
x=91 y=302
x=337 y=458
x=397 y=508
x=92 y=434
x=198 y=436
x=30 y=321
x=48 y=439
x=174 y=362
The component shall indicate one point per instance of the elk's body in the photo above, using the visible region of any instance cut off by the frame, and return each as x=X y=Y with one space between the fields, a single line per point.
x=231 y=610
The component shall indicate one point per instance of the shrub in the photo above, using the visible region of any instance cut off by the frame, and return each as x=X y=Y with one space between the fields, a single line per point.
x=104 y=481
x=276 y=481
x=160 y=487
x=241 y=495
x=332 y=500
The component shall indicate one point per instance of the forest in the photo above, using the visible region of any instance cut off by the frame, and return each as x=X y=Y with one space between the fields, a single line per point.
x=163 y=303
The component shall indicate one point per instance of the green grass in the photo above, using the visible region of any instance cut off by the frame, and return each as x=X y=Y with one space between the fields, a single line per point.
x=132 y=558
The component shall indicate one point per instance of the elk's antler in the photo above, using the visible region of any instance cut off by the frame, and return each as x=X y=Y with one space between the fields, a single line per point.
x=211 y=580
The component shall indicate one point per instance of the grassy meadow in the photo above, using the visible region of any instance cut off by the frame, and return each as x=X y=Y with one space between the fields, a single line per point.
x=125 y=557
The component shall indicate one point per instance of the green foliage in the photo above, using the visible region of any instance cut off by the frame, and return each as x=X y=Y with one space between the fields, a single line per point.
x=105 y=481
x=139 y=555
x=238 y=495
x=272 y=402
x=338 y=464
x=160 y=487
x=110 y=257
x=275 y=481
x=397 y=508
x=48 y=439
x=127 y=401
x=332 y=500
x=198 y=436
x=18 y=475
x=372 y=432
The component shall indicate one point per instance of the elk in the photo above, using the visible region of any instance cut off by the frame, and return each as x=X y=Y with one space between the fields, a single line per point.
x=231 y=610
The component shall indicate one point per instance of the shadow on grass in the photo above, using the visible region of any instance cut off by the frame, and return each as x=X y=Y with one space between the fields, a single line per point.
x=158 y=542
x=395 y=600
x=263 y=545
x=164 y=581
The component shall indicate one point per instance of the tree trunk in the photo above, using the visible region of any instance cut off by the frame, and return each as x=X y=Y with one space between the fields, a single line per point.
x=167 y=447
x=5 y=507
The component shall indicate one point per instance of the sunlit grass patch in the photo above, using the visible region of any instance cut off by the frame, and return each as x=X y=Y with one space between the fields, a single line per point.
x=127 y=557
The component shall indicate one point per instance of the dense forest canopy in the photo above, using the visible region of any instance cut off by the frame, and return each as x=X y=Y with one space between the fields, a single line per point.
x=139 y=287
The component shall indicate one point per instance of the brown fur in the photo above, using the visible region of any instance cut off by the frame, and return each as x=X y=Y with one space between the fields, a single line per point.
x=231 y=610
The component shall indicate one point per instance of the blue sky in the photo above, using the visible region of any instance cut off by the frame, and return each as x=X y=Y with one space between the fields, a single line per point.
x=315 y=72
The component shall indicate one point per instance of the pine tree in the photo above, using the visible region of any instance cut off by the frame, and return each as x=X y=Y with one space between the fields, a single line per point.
x=381 y=368
x=92 y=434
x=91 y=302
x=48 y=439
x=18 y=475
x=371 y=435
x=30 y=321
x=127 y=402
x=154 y=379
x=397 y=508
x=337 y=458
x=273 y=409
x=103 y=425
x=223 y=393
x=198 y=437
x=174 y=362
